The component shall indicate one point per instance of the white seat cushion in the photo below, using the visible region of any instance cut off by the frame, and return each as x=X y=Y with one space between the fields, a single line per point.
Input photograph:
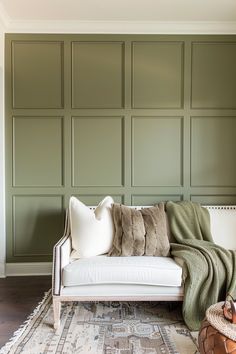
x=132 y=270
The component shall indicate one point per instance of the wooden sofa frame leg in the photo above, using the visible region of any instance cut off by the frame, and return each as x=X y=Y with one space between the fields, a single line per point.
x=57 y=312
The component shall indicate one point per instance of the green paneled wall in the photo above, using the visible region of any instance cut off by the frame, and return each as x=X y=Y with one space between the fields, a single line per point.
x=143 y=118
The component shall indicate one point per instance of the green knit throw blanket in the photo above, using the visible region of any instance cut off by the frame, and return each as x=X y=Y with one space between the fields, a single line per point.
x=209 y=271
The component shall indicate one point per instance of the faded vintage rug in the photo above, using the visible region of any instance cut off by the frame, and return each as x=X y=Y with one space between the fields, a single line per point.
x=105 y=327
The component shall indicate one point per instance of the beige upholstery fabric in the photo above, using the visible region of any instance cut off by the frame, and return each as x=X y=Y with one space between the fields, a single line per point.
x=61 y=257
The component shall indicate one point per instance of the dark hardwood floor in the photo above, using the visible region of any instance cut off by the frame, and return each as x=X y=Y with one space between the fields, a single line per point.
x=18 y=298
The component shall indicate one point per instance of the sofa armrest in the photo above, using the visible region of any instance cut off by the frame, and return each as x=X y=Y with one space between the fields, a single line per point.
x=61 y=257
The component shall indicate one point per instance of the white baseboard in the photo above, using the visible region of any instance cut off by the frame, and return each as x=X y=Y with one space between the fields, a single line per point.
x=2 y=270
x=33 y=268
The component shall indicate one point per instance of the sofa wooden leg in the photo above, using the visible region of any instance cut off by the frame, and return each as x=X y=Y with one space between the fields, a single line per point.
x=56 y=312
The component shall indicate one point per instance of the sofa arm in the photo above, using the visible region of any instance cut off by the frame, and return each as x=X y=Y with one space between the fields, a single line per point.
x=61 y=257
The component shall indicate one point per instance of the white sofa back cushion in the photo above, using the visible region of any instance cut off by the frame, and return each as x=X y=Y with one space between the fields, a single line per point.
x=223 y=226
x=92 y=232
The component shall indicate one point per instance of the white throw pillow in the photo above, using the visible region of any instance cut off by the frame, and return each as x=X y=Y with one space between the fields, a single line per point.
x=91 y=231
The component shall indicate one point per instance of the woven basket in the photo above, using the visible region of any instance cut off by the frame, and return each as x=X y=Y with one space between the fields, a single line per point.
x=215 y=316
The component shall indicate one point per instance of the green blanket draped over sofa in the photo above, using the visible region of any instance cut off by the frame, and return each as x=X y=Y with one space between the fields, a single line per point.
x=209 y=271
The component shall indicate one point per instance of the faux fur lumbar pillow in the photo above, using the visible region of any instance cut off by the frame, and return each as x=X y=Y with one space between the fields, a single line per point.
x=139 y=232
x=92 y=232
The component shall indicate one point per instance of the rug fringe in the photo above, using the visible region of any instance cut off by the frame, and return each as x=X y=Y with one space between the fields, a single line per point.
x=7 y=347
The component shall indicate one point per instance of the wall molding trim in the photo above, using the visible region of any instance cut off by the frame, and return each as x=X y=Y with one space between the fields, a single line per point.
x=30 y=268
x=2 y=156
x=2 y=270
x=119 y=27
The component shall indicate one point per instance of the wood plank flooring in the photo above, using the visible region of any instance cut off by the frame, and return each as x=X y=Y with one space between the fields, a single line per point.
x=18 y=298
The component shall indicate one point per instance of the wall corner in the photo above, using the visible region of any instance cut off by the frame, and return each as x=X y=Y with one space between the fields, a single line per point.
x=2 y=159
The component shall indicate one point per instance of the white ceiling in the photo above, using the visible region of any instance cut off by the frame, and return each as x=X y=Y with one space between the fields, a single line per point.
x=21 y=12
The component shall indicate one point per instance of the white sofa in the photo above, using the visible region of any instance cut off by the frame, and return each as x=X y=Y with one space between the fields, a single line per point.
x=127 y=278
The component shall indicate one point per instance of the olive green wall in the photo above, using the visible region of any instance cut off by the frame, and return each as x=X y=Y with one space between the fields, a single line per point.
x=143 y=118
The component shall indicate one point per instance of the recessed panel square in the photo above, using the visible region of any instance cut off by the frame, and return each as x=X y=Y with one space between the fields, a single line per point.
x=213 y=148
x=37 y=224
x=154 y=199
x=95 y=199
x=37 y=151
x=214 y=75
x=157 y=75
x=157 y=151
x=97 y=75
x=214 y=199
x=37 y=73
x=97 y=151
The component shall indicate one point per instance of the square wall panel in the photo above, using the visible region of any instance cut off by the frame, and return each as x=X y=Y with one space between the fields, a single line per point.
x=154 y=199
x=214 y=75
x=97 y=74
x=37 y=74
x=97 y=149
x=157 y=151
x=213 y=151
x=37 y=151
x=214 y=199
x=157 y=75
x=37 y=224
x=95 y=199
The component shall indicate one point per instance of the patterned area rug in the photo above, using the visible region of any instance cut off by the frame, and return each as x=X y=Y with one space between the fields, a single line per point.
x=105 y=327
